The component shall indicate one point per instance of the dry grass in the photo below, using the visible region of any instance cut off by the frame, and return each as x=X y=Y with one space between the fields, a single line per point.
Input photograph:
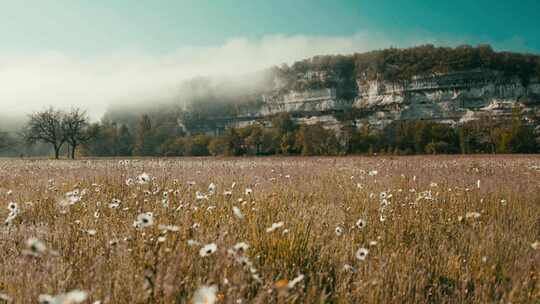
x=423 y=252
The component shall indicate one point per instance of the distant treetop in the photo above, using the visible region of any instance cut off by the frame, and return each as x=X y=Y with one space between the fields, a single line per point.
x=402 y=64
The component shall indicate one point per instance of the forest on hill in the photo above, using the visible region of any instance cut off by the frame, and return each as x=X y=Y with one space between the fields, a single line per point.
x=399 y=65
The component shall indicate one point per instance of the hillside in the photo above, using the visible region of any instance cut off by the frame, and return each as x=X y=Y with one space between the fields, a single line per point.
x=450 y=85
x=419 y=100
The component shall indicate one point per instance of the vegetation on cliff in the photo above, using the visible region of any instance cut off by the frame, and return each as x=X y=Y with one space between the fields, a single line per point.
x=402 y=64
x=286 y=137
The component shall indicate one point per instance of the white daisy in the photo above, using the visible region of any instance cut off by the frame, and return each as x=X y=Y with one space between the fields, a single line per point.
x=144 y=220
x=362 y=253
x=4 y=297
x=200 y=196
x=130 y=182
x=241 y=247
x=13 y=207
x=238 y=213
x=192 y=243
x=205 y=295
x=350 y=268
x=171 y=228
x=361 y=223
x=143 y=179
x=115 y=203
x=473 y=215
x=212 y=189
x=72 y=297
x=275 y=226
x=295 y=281
x=35 y=247
x=208 y=249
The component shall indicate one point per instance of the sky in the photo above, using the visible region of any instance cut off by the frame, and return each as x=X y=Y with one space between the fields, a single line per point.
x=96 y=53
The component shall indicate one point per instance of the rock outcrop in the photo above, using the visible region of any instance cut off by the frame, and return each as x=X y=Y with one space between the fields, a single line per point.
x=451 y=98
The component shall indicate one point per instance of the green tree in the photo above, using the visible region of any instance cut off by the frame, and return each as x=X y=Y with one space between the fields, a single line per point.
x=125 y=141
x=287 y=144
x=522 y=138
x=175 y=146
x=284 y=123
x=235 y=143
x=197 y=145
x=144 y=142
x=270 y=142
x=103 y=140
x=255 y=140
x=315 y=140
x=218 y=146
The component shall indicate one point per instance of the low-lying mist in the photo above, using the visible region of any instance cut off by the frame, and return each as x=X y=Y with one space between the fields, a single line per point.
x=131 y=80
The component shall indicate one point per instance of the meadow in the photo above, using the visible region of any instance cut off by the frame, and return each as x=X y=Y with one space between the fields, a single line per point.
x=441 y=229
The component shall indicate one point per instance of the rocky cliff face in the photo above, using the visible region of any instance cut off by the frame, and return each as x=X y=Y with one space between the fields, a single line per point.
x=451 y=98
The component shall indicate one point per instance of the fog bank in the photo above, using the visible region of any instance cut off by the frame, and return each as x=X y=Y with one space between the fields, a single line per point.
x=30 y=81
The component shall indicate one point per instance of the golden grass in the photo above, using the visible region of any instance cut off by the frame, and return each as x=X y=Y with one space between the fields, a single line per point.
x=423 y=252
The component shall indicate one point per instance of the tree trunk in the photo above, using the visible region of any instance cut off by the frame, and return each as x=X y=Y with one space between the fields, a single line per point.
x=73 y=148
x=56 y=152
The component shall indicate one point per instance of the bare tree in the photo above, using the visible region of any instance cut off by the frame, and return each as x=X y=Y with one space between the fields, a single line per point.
x=46 y=126
x=75 y=125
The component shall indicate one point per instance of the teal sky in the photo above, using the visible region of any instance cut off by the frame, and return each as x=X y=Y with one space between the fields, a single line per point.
x=100 y=53
x=102 y=26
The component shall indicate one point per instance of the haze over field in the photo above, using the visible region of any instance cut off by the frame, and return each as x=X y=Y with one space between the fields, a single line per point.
x=122 y=78
x=97 y=54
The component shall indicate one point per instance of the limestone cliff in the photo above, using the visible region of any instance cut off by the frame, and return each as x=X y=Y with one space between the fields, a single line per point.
x=449 y=98
x=452 y=97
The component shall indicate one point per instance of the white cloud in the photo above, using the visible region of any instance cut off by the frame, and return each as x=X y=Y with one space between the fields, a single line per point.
x=30 y=82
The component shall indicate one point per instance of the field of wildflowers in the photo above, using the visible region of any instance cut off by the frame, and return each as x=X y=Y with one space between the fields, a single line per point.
x=460 y=229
